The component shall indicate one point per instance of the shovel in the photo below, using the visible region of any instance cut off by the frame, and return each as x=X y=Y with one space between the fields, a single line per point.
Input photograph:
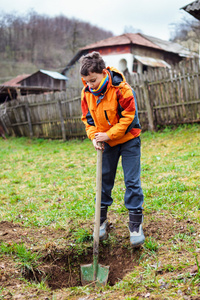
x=96 y=273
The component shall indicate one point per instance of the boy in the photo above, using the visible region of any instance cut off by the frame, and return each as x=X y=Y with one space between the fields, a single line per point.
x=109 y=112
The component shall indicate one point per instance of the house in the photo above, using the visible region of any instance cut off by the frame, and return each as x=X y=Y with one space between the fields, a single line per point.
x=135 y=53
x=39 y=82
x=193 y=9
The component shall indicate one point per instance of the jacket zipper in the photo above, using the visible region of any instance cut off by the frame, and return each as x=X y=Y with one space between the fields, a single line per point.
x=107 y=117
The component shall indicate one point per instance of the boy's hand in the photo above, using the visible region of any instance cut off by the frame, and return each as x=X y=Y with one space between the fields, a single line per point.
x=101 y=137
x=96 y=146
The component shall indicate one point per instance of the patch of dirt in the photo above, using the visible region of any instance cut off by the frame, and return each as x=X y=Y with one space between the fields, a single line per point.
x=60 y=263
x=62 y=266
x=32 y=237
x=64 y=271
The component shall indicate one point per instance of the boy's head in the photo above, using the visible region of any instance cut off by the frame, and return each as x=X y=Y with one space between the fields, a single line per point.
x=92 y=63
x=92 y=69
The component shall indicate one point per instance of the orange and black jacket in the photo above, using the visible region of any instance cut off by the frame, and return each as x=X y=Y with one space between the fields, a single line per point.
x=116 y=114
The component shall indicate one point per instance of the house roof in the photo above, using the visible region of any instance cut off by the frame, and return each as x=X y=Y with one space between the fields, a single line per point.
x=124 y=39
x=142 y=40
x=15 y=81
x=193 y=8
x=169 y=46
x=134 y=39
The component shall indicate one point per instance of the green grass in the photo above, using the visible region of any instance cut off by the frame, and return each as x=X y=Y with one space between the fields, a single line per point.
x=41 y=185
x=51 y=183
x=26 y=260
x=170 y=170
x=151 y=244
x=59 y=178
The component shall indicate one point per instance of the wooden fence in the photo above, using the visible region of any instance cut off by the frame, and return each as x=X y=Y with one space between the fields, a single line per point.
x=164 y=97
x=52 y=115
x=168 y=96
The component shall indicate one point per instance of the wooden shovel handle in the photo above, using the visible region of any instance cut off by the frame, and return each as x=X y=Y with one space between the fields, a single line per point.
x=98 y=200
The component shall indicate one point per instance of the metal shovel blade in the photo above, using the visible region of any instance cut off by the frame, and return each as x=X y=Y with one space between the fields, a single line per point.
x=88 y=271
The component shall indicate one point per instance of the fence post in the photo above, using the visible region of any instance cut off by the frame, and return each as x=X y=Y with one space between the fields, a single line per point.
x=148 y=106
x=17 y=117
x=3 y=124
x=61 y=120
x=29 y=119
x=8 y=124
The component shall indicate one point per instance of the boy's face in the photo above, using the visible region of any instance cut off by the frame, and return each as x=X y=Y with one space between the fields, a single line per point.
x=93 y=80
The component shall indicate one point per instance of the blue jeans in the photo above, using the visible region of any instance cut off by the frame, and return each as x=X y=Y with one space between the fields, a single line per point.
x=130 y=152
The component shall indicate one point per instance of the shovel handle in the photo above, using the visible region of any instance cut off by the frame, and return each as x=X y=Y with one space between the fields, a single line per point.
x=97 y=205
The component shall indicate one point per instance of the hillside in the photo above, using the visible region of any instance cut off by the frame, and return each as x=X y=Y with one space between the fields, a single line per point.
x=34 y=41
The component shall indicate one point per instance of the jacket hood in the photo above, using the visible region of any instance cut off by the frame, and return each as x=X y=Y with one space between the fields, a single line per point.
x=116 y=76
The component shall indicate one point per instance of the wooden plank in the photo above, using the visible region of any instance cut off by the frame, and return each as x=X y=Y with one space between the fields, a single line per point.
x=19 y=124
x=178 y=104
x=61 y=120
x=174 y=84
x=8 y=121
x=148 y=107
x=170 y=114
x=160 y=92
x=4 y=124
x=141 y=102
x=17 y=117
x=29 y=120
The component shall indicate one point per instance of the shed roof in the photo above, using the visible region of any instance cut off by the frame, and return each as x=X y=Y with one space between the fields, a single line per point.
x=54 y=75
x=15 y=81
x=51 y=74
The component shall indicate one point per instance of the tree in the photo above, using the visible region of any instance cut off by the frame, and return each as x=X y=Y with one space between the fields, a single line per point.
x=131 y=29
x=47 y=42
x=187 y=33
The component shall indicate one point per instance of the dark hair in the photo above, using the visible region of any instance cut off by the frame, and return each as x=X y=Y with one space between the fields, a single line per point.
x=92 y=62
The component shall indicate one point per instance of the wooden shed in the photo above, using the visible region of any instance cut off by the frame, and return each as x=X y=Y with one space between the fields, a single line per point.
x=44 y=78
x=39 y=82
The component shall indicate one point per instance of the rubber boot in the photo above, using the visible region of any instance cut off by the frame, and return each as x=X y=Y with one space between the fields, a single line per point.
x=103 y=224
x=135 y=228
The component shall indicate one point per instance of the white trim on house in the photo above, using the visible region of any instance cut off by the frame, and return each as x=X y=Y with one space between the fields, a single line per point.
x=119 y=61
x=125 y=61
